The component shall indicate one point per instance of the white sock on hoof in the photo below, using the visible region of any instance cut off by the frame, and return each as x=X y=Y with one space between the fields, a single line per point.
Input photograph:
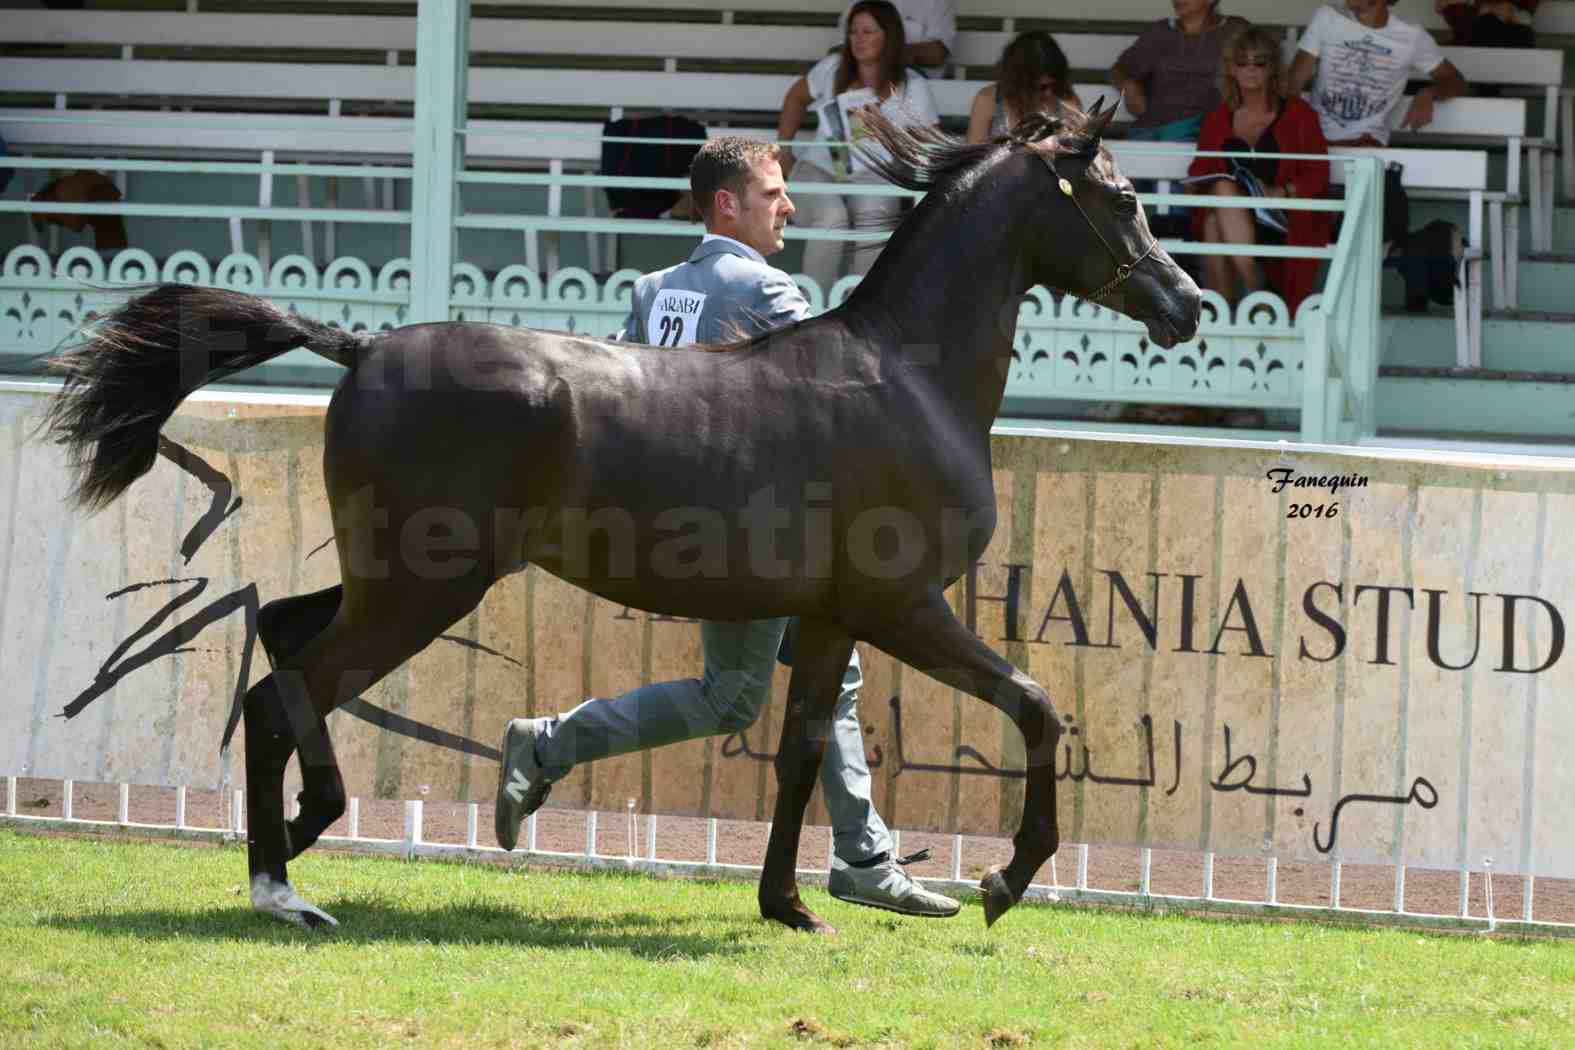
x=280 y=900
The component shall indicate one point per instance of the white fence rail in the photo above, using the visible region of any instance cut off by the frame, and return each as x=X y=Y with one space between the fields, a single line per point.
x=1474 y=914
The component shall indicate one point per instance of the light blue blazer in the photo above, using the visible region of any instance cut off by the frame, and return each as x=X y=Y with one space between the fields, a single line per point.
x=723 y=292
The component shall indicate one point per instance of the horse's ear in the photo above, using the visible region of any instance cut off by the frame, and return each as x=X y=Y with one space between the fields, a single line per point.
x=1098 y=120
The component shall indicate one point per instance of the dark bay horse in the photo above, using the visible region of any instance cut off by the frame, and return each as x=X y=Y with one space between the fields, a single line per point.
x=837 y=470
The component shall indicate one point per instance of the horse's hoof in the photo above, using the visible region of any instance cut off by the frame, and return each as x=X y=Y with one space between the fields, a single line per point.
x=798 y=917
x=998 y=896
x=280 y=900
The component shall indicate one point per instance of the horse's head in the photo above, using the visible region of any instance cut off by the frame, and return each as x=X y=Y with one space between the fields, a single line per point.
x=1092 y=238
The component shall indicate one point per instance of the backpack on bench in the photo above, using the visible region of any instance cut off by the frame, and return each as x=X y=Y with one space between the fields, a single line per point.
x=652 y=160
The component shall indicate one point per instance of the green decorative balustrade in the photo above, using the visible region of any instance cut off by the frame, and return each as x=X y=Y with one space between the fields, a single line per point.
x=1065 y=348
x=1322 y=363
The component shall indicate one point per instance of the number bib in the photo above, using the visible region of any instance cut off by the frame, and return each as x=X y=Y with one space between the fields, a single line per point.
x=674 y=317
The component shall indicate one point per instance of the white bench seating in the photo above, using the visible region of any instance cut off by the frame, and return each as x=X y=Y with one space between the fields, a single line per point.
x=1553 y=16
x=335 y=84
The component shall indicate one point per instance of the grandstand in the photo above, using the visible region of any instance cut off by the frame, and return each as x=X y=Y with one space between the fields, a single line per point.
x=270 y=146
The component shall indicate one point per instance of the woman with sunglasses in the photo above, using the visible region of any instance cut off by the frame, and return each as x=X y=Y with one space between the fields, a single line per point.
x=1259 y=117
x=1035 y=77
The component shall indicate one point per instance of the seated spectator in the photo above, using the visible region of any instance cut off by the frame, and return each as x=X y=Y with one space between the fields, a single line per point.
x=1361 y=61
x=83 y=187
x=1358 y=64
x=866 y=70
x=1169 y=77
x=929 y=29
x=1489 y=23
x=1258 y=117
x=1034 y=77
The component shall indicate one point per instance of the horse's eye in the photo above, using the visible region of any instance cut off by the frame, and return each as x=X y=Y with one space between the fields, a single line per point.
x=1127 y=204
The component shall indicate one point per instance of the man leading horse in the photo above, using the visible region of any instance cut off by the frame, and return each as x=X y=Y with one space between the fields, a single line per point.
x=725 y=291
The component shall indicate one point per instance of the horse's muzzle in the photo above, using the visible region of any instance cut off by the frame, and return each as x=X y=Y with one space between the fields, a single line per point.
x=1169 y=326
x=1178 y=310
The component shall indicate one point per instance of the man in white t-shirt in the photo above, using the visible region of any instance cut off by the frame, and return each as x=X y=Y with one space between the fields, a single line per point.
x=930 y=27
x=1362 y=59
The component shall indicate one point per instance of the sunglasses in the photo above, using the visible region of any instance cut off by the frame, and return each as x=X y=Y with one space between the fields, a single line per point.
x=1258 y=62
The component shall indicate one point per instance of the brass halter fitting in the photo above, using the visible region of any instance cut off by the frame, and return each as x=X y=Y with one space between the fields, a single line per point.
x=1123 y=270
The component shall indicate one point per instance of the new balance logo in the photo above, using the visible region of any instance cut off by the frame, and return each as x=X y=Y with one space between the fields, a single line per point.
x=517 y=786
x=892 y=883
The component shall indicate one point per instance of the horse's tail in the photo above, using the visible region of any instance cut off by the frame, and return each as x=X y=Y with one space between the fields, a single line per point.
x=137 y=364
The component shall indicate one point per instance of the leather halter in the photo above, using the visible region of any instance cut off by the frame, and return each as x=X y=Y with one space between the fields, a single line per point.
x=1123 y=270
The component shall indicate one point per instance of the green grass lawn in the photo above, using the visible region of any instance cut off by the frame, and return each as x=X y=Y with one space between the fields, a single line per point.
x=111 y=944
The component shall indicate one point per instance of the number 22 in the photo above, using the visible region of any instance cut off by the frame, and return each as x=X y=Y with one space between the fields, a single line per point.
x=672 y=331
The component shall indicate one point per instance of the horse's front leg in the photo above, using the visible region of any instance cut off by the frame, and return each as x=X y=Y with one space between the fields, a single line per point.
x=929 y=638
x=820 y=658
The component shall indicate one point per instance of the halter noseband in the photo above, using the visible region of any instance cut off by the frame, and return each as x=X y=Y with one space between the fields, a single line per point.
x=1123 y=270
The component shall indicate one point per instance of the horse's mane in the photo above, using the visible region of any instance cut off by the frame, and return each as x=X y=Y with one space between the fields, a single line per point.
x=927 y=158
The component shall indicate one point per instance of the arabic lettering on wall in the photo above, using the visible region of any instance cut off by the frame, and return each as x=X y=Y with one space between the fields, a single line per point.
x=1075 y=764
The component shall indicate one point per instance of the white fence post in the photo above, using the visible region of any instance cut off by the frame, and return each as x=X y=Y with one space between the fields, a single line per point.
x=413 y=816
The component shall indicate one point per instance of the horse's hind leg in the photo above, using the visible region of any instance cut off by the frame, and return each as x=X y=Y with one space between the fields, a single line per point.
x=275 y=725
x=378 y=625
x=285 y=627
x=931 y=640
x=819 y=661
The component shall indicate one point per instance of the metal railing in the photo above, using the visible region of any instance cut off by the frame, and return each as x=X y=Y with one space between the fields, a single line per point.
x=1334 y=351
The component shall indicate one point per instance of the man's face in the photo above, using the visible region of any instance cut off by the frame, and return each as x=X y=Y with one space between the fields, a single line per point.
x=1358 y=8
x=763 y=209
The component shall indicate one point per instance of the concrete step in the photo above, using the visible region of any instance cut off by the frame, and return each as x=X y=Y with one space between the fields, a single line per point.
x=1547 y=282
x=1512 y=341
x=1500 y=405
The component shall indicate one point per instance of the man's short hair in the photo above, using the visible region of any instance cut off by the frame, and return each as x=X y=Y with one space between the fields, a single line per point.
x=724 y=163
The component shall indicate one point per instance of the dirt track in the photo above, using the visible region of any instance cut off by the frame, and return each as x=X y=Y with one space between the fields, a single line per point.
x=741 y=842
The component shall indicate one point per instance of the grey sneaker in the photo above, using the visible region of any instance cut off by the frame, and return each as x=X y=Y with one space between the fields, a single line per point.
x=521 y=787
x=887 y=885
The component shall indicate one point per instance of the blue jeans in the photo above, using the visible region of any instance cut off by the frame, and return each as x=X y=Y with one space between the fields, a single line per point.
x=727 y=698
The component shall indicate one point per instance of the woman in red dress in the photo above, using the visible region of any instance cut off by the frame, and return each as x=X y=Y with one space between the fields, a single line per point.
x=1257 y=117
